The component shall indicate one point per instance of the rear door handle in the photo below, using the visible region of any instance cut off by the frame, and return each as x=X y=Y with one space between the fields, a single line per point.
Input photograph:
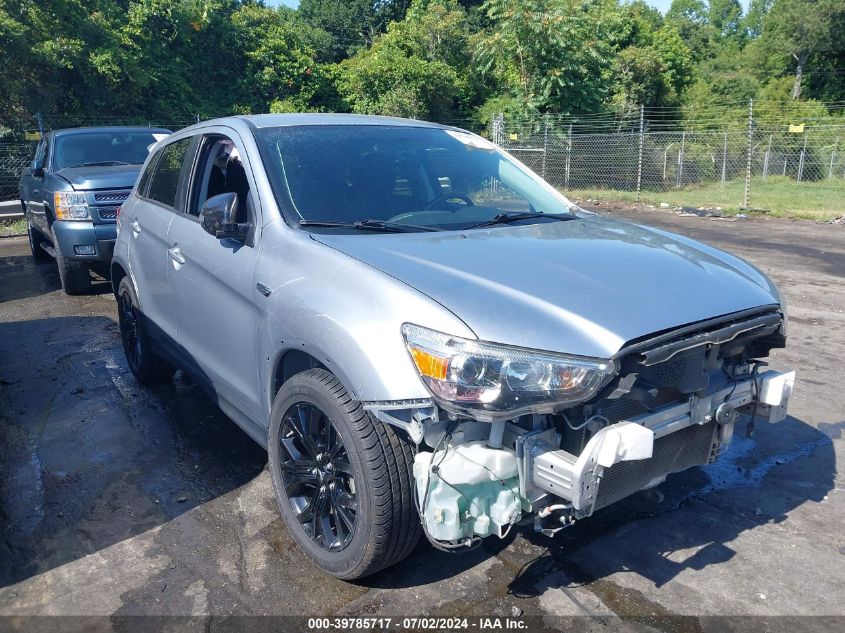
x=135 y=226
x=176 y=255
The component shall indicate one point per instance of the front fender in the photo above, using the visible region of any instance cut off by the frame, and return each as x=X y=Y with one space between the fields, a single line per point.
x=345 y=314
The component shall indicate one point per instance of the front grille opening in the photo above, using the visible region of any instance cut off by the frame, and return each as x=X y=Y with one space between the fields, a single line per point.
x=111 y=196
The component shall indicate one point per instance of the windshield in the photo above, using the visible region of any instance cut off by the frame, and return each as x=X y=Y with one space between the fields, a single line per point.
x=424 y=178
x=103 y=148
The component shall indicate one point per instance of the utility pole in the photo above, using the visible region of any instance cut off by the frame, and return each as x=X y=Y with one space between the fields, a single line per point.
x=749 y=150
x=640 y=159
x=681 y=158
x=545 y=143
x=568 y=157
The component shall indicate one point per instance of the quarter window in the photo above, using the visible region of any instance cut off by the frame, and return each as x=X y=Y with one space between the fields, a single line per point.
x=165 y=179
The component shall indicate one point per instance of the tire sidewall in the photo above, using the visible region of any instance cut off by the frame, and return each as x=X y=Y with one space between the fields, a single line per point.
x=300 y=389
x=125 y=287
x=33 y=242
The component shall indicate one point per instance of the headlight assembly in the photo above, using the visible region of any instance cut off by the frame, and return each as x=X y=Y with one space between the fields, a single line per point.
x=71 y=205
x=488 y=381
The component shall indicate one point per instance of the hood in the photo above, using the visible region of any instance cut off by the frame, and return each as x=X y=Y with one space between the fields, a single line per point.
x=581 y=287
x=101 y=176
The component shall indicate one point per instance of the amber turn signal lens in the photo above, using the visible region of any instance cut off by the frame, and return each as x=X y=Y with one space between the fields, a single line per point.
x=429 y=364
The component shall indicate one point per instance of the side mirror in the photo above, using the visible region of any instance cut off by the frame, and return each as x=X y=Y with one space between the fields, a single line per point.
x=36 y=168
x=218 y=217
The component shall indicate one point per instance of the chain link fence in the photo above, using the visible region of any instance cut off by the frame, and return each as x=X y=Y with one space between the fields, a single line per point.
x=749 y=167
x=742 y=166
x=14 y=156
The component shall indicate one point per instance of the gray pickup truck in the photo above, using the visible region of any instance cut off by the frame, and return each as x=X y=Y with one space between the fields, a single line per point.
x=71 y=192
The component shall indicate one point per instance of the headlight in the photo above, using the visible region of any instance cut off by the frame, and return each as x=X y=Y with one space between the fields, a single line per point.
x=70 y=205
x=490 y=381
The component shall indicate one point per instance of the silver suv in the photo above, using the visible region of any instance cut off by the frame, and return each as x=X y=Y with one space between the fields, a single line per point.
x=427 y=337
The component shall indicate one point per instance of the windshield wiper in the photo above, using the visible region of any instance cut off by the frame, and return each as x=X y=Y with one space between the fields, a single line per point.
x=103 y=163
x=369 y=225
x=507 y=218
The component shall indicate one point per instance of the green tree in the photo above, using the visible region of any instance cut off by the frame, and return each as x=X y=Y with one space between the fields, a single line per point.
x=691 y=19
x=725 y=16
x=653 y=65
x=753 y=22
x=349 y=25
x=800 y=28
x=550 y=55
x=278 y=72
x=44 y=54
x=419 y=68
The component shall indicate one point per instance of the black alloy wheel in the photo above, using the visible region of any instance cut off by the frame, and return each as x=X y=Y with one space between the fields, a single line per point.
x=144 y=363
x=129 y=331
x=343 y=479
x=317 y=476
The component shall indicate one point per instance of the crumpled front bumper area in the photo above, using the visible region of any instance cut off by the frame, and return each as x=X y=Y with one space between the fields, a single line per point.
x=638 y=453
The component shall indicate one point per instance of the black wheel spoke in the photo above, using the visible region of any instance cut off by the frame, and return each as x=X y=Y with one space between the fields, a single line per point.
x=345 y=500
x=300 y=472
x=319 y=518
x=306 y=515
x=289 y=445
x=343 y=522
x=342 y=465
x=317 y=476
x=299 y=425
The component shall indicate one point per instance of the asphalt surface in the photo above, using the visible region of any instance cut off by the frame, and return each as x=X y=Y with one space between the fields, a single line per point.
x=121 y=500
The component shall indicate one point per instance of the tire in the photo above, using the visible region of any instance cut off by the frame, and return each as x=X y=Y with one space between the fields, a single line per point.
x=144 y=363
x=35 y=242
x=74 y=275
x=367 y=475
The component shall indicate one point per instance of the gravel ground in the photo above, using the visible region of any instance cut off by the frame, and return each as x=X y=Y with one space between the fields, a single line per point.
x=121 y=500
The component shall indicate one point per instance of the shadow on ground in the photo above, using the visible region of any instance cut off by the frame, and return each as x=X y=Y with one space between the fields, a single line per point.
x=23 y=278
x=88 y=457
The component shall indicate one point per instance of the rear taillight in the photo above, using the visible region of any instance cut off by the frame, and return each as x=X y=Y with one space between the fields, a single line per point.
x=117 y=214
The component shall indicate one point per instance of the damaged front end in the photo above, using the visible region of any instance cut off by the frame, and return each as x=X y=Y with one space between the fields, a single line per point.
x=513 y=435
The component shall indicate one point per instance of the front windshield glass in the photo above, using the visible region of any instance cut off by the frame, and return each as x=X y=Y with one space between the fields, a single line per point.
x=103 y=148
x=414 y=176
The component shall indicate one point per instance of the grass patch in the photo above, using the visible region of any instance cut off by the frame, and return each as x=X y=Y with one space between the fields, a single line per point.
x=778 y=196
x=9 y=228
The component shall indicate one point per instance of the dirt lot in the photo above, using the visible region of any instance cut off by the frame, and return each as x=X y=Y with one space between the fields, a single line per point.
x=120 y=500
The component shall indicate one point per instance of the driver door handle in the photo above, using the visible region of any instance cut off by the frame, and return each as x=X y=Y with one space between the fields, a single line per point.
x=135 y=226
x=176 y=254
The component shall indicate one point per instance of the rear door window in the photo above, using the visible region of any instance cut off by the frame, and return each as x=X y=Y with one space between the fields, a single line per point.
x=169 y=165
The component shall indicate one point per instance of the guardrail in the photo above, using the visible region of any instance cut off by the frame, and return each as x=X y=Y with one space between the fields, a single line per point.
x=10 y=210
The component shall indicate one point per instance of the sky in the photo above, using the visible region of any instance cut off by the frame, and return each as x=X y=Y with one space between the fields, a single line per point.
x=663 y=5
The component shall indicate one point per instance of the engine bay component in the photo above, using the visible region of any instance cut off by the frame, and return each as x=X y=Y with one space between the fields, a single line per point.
x=468 y=490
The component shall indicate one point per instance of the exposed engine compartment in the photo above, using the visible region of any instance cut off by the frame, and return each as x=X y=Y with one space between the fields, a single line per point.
x=672 y=405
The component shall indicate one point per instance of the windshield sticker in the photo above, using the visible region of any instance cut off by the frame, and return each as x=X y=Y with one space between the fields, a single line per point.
x=471 y=140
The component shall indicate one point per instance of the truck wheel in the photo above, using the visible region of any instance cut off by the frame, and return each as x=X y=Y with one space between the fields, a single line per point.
x=144 y=363
x=343 y=480
x=74 y=275
x=35 y=242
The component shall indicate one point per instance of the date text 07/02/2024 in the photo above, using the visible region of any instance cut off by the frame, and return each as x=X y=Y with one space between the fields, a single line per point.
x=418 y=623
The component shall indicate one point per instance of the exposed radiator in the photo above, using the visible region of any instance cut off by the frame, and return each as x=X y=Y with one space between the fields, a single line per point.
x=672 y=453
